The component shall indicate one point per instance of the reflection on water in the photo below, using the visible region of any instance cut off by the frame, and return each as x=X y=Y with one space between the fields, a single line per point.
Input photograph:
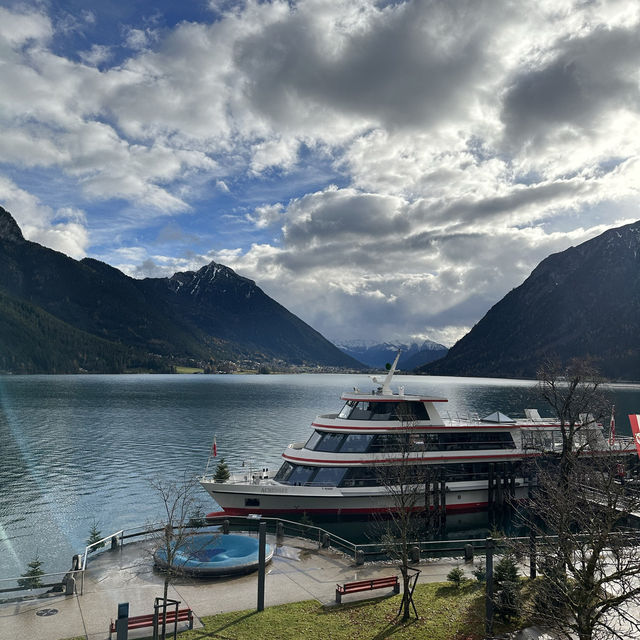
x=78 y=448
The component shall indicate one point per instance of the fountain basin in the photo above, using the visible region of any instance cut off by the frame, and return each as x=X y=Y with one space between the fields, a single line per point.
x=209 y=555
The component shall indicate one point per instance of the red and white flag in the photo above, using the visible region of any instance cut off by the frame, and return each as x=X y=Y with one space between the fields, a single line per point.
x=214 y=449
x=635 y=429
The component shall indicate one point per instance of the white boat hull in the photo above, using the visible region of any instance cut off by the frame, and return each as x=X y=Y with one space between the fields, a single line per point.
x=272 y=499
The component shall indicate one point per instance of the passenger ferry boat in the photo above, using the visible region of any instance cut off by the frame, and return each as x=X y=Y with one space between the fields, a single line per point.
x=345 y=466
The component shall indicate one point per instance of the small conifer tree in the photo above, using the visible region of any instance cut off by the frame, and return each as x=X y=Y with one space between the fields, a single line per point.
x=222 y=472
x=94 y=536
x=197 y=517
x=31 y=579
x=507 y=587
x=480 y=573
x=456 y=575
x=306 y=520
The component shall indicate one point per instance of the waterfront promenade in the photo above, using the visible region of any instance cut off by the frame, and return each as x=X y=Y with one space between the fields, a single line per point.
x=299 y=571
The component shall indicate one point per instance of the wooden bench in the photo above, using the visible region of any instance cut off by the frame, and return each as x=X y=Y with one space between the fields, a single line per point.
x=139 y=622
x=367 y=585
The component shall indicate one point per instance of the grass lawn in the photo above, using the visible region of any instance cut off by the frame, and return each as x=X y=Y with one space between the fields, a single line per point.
x=189 y=370
x=446 y=613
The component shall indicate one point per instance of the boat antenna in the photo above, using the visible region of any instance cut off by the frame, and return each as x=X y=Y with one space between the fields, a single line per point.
x=385 y=389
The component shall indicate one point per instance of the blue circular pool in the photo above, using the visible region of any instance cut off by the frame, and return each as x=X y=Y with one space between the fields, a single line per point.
x=215 y=554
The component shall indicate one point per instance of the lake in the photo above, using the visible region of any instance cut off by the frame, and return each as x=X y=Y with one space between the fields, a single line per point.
x=74 y=449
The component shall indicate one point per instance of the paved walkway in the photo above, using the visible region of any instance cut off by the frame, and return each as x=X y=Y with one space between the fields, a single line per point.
x=298 y=571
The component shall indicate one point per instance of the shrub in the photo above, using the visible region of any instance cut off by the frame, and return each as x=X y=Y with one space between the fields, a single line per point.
x=456 y=575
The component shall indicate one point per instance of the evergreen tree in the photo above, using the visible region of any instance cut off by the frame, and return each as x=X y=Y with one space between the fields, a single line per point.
x=507 y=587
x=94 y=536
x=456 y=575
x=31 y=579
x=222 y=472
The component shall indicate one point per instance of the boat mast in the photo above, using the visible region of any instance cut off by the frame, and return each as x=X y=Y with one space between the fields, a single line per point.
x=385 y=389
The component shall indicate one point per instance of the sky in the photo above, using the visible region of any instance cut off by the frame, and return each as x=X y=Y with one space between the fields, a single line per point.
x=385 y=170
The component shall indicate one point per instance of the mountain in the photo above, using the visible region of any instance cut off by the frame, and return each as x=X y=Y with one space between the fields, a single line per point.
x=378 y=355
x=582 y=302
x=62 y=315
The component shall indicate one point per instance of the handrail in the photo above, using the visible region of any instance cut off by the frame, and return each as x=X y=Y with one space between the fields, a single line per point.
x=309 y=531
x=98 y=544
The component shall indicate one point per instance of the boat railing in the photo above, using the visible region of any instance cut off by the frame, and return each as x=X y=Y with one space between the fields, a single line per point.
x=623 y=443
x=460 y=418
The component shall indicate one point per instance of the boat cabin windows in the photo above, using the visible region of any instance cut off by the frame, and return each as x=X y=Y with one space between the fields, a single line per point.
x=477 y=440
x=397 y=442
x=542 y=439
x=378 y=475
x=372 y=410
x=357 y=443
x=334 y=442
x=316 y=436
x=329 y=476
x=297 y=474
x=330 y=442
x=301 y=475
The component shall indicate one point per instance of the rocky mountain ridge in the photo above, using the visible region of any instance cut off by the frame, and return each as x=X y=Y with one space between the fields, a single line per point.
x=582 y=302
x=103 y=320
x=377 y=355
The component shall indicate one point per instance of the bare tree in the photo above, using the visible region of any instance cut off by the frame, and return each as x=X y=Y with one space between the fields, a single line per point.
x=574 y=393
x=407 y=484
x=590 y=563
x=170 y=543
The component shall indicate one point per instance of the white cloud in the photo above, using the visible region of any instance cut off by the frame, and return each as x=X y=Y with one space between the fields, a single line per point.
x=38 y=221
x=18 y=28
x=470 y=138
x=96 y=55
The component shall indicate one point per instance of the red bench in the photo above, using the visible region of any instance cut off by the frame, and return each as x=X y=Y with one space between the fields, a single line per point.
x=367 y=585
x=139 y=622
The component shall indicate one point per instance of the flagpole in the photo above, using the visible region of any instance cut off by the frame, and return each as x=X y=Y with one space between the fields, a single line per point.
x=214 y=451
x=208 y=461
x=612 y=427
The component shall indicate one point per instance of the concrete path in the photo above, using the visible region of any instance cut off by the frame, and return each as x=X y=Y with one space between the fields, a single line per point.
x=298 y=571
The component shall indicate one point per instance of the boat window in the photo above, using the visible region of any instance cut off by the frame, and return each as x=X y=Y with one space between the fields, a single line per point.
x=316 y=436
x=410 y=411
x=284 y=472
x=382 y=410
x=330 y=442
x=329 y=476
x=361 y=477
x=360 y=411
x=346 y=410
x=478 y=440
x=405 y=411
x=357 y=443
x=389 y=442
x=301 y=475
x=538 y=439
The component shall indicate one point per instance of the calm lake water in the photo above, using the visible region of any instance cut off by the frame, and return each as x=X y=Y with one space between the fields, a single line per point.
x=78 y=448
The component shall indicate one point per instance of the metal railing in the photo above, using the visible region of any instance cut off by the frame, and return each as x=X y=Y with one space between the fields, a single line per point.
x=48 y=585
x=279 y=527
